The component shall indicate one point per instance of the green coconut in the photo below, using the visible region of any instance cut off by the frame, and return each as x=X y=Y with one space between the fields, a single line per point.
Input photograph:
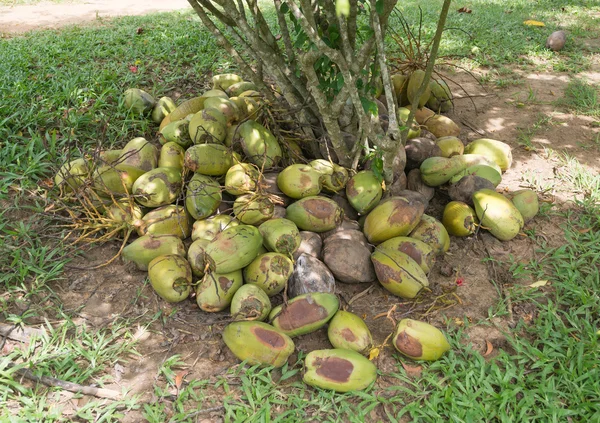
x=195 y=256
x=398 y=273
x=250 y=303
x=414 y=82
x=364 y=191
x=339 y=370
x=208 y=126
x=253 y=209
x=229 y=109
x=138 y=101
x=146 y=248
x=299 y=181
x=140 y=153
x=234 y=248
x=124 y=210
x=433 y=233
x=348 y=331
x=214 y=93
x=491 y=173
x=72 y=175
x=417 y=250
x=450 y=146
x=116 y=180
x=177 y=132
x=225 y=80
x=415 y=129
x=166 y=220
x=459 y=219
x=158 y=187
x=171 y=277
x=203 y=196
x=171 y=155
x=497 y=214
x=334 y=178
x=258 y=343
x=400 y=83
x=259 y=145
x=497 y=151
x=208 y=159
x=281 y=236
x=440 y=100
x=238 y=88
x=163 y=107
x=270 y=272
x=216 y=290
x=419 y=340
x=315 y=214
x=305 y=313
x=241 y=179
x=526 y=201
x=395 y=216
x=209 y=228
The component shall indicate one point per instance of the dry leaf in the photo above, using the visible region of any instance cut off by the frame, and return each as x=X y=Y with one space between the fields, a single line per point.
x=531 y=22
x=179 y=378
x=374 y=353
x=538 y=284
x=489 y=349
x=464 y=10
x=458 y=322
x=412 y=371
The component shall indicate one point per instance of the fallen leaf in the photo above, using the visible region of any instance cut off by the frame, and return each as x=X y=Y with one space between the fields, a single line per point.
x=374 y=353
x=464 y=10
x=489 y=349
x=458 y=321
x=412 y=371
x=538 y=284
x=139 y=30
x=584 y=231
x=531 y=22
x=179 y=378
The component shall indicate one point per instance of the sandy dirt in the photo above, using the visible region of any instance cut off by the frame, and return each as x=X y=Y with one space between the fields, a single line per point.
x=23 y=18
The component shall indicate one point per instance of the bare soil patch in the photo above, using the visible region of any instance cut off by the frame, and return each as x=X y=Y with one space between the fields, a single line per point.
x=48 y=15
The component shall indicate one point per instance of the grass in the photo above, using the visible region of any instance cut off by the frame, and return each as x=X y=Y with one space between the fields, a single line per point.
x=60 y=95
x=525 y=135
x=582 y=97
x=496 y=29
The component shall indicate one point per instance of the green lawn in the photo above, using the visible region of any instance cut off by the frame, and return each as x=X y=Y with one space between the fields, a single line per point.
x=60 y=94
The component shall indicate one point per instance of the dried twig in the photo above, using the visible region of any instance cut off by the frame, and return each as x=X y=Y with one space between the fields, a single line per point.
x=68 y=386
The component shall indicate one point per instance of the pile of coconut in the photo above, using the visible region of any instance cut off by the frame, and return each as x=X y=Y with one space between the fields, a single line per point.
x=224 y=214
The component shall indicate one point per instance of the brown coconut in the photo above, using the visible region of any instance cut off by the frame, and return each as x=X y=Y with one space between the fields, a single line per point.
x=349 y=260
x=415 y=183
x=419 y=149
x=310 y=275
x=464 y=189
x=311 y=244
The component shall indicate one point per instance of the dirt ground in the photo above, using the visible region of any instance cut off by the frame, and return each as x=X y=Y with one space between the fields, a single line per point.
x=22 y=18
x=503 y=114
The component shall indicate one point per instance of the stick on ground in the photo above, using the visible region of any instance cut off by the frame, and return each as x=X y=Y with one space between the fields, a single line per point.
x=69 y=386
